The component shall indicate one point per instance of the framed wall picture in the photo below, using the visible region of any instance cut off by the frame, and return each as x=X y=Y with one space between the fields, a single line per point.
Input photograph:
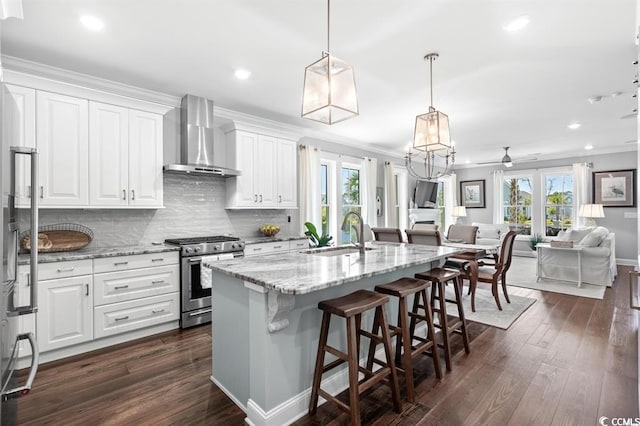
x=615 y=188
x=472 y=193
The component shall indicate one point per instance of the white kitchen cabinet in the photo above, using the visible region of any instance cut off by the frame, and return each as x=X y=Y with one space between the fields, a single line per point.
x=266 y=248
x=65 y=312
x=125 y=154
x=62 y=137
x=19 y=128
x=268 y=172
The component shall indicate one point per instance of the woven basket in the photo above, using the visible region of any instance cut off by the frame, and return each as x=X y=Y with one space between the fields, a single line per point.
x=58 y=237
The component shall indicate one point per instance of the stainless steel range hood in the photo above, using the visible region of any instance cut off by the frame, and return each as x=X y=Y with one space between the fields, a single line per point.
x=196 y=139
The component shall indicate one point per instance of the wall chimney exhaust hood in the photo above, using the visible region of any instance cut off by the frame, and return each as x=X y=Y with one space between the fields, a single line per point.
x=196 y=139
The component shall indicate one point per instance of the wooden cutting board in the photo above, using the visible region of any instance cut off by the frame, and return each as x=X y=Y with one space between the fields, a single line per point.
x=53 y=241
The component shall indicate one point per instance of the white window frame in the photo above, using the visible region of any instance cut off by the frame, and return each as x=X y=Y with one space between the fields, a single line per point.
x=556 y=171
x=402 y=196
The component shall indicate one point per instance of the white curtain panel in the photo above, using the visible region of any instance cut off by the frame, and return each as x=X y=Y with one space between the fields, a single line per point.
x=390 y=214
x=369 y=183
x=11 y=9
x=498 y=197
x=450 y=200
x=581 y=174
x=310 y=202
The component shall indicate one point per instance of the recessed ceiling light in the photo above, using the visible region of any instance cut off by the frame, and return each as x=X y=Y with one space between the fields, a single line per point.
x=574 y=126
x=242 y=74
x=516 y=24
x=467 y=161
x=588 y=147
x=91 y=22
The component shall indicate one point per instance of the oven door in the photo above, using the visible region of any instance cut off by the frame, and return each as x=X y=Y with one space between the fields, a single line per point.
x=194 y=297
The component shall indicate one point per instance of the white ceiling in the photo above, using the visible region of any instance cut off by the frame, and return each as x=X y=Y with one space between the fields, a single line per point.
x=520 y=89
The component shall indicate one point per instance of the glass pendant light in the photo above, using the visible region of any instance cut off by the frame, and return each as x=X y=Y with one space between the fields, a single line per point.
x=432 y=129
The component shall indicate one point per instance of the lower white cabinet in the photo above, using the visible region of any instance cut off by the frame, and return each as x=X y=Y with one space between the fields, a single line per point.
x=275 y=247
x=121 y=286
x=65 y=312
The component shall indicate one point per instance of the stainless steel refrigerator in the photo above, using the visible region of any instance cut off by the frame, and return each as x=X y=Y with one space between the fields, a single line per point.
x=11 y=160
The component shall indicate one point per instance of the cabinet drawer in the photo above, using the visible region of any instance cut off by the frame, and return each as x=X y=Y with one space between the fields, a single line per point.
x=266 y=248
x=296 y=245
x=120 y=286
x=135 y=314
x=70 y=268
x=122 y=263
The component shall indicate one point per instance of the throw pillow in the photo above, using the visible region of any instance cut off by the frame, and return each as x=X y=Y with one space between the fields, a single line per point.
x=562 y=236
x=578 y=234
x=594 y=238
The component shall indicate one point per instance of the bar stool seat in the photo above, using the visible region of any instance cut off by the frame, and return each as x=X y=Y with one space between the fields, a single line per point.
x=351 y=307
x=405 y=332
x=439 y=277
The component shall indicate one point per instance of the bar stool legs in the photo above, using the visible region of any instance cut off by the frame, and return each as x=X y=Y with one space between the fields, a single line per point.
x=351 y=308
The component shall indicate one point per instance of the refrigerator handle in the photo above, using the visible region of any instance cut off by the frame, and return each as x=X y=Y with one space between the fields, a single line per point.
x=35 y=360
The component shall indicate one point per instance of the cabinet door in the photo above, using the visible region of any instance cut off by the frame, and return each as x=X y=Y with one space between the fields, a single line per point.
x=65 y=314
x=108 y=155
x=266 y=171
x=145 y=159
x=286 y=172
x=63 y=140
x=19 y=128
x=246 y=183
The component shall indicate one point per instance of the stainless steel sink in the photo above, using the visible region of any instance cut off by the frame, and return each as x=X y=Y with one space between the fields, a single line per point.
x=336 y=251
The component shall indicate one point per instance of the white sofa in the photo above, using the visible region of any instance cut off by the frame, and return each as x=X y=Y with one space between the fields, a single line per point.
x=490 y=234
x=598 y=257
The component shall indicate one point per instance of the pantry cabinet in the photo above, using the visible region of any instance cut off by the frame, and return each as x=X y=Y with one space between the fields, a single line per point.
x=268 y=171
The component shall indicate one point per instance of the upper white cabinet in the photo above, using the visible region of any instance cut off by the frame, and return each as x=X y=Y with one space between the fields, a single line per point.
x=125 y=155
x=62 y=137
x=268 y=171
x=19 y=128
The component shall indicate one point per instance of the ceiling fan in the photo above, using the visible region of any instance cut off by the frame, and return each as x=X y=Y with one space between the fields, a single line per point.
x=506 y=159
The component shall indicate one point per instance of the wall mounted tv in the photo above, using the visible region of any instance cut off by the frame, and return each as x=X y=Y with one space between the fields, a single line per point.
x=425 y=195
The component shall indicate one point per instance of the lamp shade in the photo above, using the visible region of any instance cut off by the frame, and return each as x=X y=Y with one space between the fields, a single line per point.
x=591 y=211
x=432 y=131
x=329 y=94
x=459 y=211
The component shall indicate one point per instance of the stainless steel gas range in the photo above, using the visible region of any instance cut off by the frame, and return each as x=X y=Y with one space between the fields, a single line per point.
x=195 y=293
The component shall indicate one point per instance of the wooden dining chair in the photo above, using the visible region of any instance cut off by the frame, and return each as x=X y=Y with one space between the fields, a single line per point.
x=429 y=238
x=492 y=272
x=462 y=234
x=367 y=233
x=425 y=227
x=393 y=235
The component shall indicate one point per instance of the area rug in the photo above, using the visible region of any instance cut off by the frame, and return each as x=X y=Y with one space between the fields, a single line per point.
x=486 y=310
x=523 y=274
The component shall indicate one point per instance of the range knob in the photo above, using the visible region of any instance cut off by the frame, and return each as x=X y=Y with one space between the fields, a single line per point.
x=234 y=245
x=216 y=248
x=198 y=249
x=188 y=250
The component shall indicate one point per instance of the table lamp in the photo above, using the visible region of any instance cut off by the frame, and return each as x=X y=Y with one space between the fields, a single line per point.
x=458 y=212
x=591 y=212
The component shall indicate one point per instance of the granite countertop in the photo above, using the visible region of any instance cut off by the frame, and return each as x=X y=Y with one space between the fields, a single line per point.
x=93 y=253
x=258 y=240
x=302 y=273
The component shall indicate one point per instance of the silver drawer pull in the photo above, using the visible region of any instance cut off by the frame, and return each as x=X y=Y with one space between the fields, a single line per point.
x=160 y=259
x=275 y=247
x=157 y=282
x=120 y=263
x=121 y=318
x=257 y=249
x=69 y=269
x=119 y=287
x=153 y=311
x=124 y=194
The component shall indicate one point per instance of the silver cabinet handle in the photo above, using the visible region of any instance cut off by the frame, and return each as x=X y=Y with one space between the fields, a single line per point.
x=257 y=249
x=276 y=247
x=41 y=191
x=28 y=279
x=35 y=360
x=121 y=318
x=28 y=191
x=279 y=198
x=120 y=263
x=133 y=194
x=157 y=282
x=160 y=259
x=153 y=311
x=69 y=269
x=124 y=194
x=260 y=197
x=120 y=287
x=255 y=200
x=86 y=287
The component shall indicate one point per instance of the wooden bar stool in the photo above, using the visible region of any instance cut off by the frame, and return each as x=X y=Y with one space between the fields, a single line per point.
x=439 y=277
x=351 y=308
x=405 y=350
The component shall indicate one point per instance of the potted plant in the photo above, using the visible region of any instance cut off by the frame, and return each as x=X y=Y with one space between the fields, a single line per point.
x=534 y=240
x=317 y=241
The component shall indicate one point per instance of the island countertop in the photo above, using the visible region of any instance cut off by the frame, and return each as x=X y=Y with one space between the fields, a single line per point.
x=297 y=273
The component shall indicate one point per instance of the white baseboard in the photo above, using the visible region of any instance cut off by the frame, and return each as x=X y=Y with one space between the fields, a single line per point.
x=229 y=394
x=627 y=262
x=297 y=406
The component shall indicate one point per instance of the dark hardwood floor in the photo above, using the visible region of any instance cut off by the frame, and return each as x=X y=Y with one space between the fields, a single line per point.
x=566 y=361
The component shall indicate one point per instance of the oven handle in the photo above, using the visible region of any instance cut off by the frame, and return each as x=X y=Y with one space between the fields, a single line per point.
x=200 y=312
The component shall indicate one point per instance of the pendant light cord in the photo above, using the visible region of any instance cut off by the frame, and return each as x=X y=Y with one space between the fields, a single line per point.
x=431 y=81
x=328 y=25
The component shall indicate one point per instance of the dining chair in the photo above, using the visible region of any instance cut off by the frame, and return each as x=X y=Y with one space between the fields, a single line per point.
x=425 y=227
x=393 y=235
x=492 y=272
x=368 y=236
x=462 y=234
x=429 y=237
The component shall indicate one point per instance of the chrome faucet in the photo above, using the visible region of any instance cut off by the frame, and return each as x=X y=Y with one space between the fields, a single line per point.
x=361 y=236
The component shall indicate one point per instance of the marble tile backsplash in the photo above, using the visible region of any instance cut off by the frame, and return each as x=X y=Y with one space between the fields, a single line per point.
x=194 y=206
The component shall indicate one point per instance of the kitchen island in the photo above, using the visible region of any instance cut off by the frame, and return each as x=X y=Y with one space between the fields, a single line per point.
x=266 y=323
